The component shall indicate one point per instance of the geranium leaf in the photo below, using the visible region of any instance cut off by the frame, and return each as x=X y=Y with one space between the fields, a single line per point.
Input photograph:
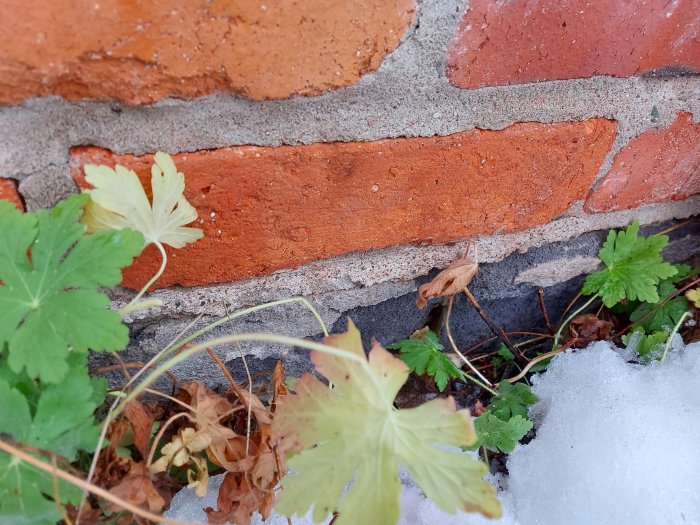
x=118 y=200
x=354 y=432
x=49 y=298
x=423 y=354
x=633 y=267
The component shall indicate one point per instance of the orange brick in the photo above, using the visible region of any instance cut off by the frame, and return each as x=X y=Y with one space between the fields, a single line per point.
x=143 y=51
x=521 y=41
x=8 y=191
x=268 y=208
x=657 y=166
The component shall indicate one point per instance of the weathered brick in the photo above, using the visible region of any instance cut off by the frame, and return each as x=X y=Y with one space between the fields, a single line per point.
x=265 y=208
x=657 y=166
x=521 y=41
x=143 y=51
x=8 y=191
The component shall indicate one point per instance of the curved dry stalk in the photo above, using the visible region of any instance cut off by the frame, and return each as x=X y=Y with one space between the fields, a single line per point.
x=89 y=487
x=57 y=492
x=536 y=360
x=175 y=345
x=250 y=396
x=570 y=318
x=454 y=346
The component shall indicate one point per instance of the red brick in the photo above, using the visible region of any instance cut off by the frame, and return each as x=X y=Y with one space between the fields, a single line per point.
x=8 y=191
x=142 y=51
x=520 y=41
x=279 y=207
x=657 y=166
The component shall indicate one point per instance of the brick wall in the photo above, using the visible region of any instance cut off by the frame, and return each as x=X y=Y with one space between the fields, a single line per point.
x=343 y=149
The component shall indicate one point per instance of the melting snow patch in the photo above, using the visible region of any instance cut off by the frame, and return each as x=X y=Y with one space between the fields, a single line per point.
x=617 y=444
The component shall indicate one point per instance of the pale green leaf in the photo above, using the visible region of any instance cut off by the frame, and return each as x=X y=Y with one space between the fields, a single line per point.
x=118 y=200
x=354 y=432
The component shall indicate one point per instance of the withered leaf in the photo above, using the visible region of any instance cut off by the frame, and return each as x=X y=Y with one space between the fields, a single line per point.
x=141 y=422
x=450 y=281
x=586 y=328
x=138 y=488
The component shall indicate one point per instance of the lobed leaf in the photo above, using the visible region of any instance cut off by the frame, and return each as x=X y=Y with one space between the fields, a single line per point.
x=353 y=432
x=660 y=317
x=633 y=267
x=50 y=273
x=423 y=354
x=512 y=400
x=118 y=201
x=61 y=422
x=498 y=435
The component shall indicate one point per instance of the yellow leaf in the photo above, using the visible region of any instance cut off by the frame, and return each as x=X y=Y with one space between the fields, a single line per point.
x=353 y=432
x=118 y=201
x=694 y=297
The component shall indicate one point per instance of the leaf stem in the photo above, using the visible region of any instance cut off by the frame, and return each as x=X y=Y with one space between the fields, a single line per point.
x=673 y=333
x=244 y=337
x=460 y=354
x=164 y=262
x=568 y=319
x=148 y=303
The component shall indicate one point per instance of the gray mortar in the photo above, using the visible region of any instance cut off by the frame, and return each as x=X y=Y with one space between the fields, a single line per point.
x=409 y=95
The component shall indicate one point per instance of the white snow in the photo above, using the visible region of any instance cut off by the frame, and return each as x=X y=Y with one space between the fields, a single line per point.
x=617 y=443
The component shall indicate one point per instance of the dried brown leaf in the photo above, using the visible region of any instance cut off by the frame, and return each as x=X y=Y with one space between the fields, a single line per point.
x=139 y=489
x=586 y=328
x=141 y=422
x=450 y=281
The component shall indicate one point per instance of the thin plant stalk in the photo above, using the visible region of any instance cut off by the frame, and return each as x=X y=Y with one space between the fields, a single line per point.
x=160 y=433
x=244 y=337
x=171 y=347
x=88 y=487
x=454 y=346
x=673 y=333
x=164 y=262
x=568 y=319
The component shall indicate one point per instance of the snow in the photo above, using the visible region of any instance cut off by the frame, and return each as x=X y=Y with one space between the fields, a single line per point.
x=617 y=444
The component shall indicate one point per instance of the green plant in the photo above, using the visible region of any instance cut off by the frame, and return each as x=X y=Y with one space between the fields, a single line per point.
x=53 y=312
x=664 y=314
x=634 y=272
x=50 y=298
x=53 y=271
x=505 y=422
x=633 y=267
x=423 y=353
x=497 y=435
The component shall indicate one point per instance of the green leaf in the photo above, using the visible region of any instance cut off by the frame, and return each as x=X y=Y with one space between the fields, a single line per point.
x=61 y=422
x=423 y=355
x=658 y=318
x=512 y=400
x=633 y=267
x=353 y=432
x=649 y=346
x=496 y=435
x=505 y=353
x=51 y=273
x=683 y=271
